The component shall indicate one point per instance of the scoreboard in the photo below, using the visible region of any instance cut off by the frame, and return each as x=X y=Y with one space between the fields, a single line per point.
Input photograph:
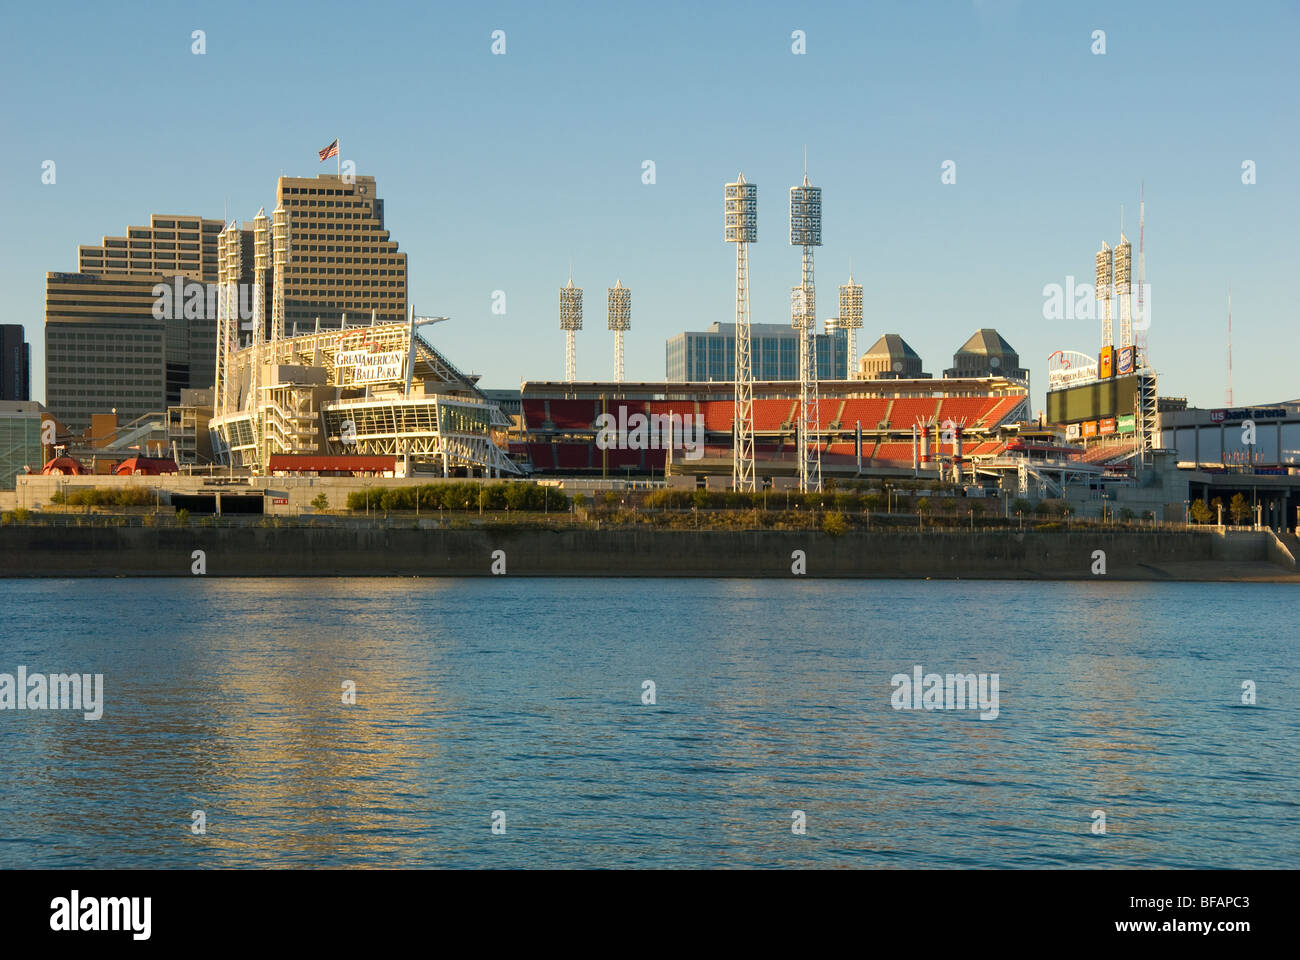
x=1101 y=399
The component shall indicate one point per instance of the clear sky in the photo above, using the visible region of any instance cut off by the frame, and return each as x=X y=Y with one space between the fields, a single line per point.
x=496 y=170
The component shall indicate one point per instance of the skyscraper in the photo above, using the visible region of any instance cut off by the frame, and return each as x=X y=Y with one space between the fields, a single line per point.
x=341 y=259
x=114 y=339
x=15 y=363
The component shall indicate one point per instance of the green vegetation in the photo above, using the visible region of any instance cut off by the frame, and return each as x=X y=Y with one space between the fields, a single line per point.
x=1201 y=512
x=1239 y=509
x=460 y=496
x=105 y=497
x=321 y=502
x=835 y=524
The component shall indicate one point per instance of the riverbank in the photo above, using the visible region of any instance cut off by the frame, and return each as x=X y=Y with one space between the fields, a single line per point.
x=531 y=551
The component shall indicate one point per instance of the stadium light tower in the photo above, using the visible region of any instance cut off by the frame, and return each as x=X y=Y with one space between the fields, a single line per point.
x=280 y=261
x=1105 y=275
x=620 y=321
x=806 y=232
x=740 y=226
x=850 y=320
x=1123 y=290
x=570 y=323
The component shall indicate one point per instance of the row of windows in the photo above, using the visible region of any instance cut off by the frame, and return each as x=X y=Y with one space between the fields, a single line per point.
x=378 y=247
x=318 y=191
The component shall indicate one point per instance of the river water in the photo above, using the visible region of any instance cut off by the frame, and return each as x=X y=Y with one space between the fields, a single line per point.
x=519 y=703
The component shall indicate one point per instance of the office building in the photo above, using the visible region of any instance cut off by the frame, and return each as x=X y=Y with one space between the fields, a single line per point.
x=707 y=355
x=341 y=260
x=15 y=363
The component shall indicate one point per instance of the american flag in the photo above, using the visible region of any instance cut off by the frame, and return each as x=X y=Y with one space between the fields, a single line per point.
x=331 y=151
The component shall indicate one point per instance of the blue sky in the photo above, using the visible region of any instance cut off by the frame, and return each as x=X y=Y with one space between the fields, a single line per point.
x=496 y=170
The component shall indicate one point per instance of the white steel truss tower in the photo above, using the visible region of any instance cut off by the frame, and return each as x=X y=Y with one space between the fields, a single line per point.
x=280 y=260
x=619 y=312
x=806 y=232
x=740 y=226
x=1105 y=275
x=570 y=323
x=1124 y=290
x=261 y=264
x=229 y=262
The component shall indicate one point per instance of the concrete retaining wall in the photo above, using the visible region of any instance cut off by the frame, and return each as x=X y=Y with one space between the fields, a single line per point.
x=35 y=551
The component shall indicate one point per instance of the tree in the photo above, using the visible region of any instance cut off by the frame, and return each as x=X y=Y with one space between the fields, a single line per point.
x=321 y=502
x=1020 y=505
x=1201 y=512
x=923 y=506
x=1239 y=509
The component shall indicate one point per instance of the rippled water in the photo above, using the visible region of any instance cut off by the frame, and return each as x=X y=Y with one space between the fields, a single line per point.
x=524 y=696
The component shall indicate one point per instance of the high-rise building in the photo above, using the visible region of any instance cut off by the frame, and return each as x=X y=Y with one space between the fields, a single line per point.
x=340 y=258
x=700 y=356
x=135 y=325
x=15 y=363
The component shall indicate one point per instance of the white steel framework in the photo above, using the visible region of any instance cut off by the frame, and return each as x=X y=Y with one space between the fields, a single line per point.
x=740 y=226
x=1105 y=275
x=229 y=261
x=325 y=395
x=620 y=321
x=280 y=261
x=570 y=323
x=261 y=264
x=1124 y=290
x=806 y=232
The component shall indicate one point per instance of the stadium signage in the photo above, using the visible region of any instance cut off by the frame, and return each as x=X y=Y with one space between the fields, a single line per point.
x=1124 y=358
x=1058 y=379
x=1274 y=413
x=370 y=367
x=1125 y=424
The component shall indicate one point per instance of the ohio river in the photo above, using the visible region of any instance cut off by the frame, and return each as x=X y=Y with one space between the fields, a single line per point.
x=523 y=703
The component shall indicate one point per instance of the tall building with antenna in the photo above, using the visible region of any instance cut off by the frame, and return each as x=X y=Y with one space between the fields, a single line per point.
x=740 y=226
x=570 y=323
x=806 y=232
x=619 y=312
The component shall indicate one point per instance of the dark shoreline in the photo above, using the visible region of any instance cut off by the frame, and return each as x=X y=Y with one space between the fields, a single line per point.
x=251 y=551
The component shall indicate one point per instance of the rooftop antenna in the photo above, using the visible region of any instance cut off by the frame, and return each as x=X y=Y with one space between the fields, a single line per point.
x=1143 y=322
x=1229 y=343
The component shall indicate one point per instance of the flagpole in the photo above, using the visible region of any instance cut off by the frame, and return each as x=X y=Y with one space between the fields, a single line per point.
x=339 y=157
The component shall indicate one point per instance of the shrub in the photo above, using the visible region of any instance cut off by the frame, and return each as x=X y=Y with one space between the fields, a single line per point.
x=835 y=524
x=321 y=502
x=183 y=517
